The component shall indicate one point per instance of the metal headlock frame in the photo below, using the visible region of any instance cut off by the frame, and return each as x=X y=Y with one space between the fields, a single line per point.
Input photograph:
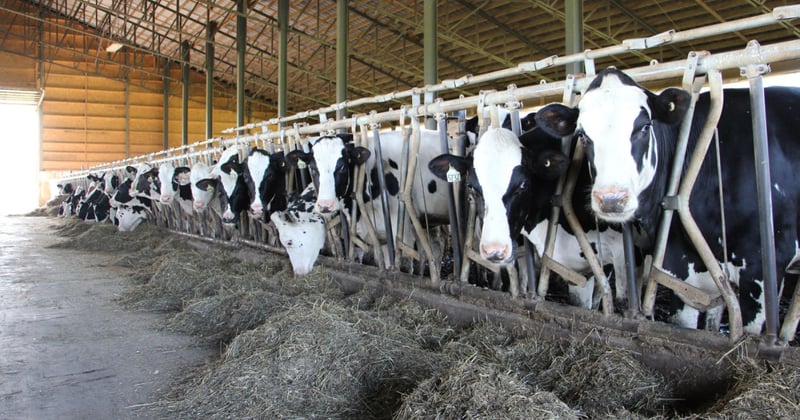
x=748 y=60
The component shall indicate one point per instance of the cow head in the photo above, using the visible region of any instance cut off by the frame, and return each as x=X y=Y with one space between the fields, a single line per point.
x=511 y=179
x=130 y=215
x=302 y=234
x=619 y=123
x=331 y=161
x=229 y=171
x=170 y=180
x=204 y=186
x=265 y=176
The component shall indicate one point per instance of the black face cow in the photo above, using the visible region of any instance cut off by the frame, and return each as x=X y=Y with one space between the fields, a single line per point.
x=631 y=135
x=265 y=176
x=227 y=174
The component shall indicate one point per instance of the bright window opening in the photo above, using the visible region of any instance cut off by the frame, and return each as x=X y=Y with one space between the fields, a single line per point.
x=19 y=158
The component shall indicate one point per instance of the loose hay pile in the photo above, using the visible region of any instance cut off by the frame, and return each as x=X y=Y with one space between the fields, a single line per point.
x=301 y=348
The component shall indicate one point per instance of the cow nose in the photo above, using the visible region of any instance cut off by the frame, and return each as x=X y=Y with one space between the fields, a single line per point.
x=257 y=209
x=611 y=200
x=166 y=199
x=326 y=206
x=495 y=252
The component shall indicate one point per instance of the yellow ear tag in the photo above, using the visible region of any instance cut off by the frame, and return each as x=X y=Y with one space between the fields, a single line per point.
x=301 y=164
x=453 y=175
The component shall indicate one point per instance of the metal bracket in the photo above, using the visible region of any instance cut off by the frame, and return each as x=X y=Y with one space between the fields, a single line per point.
x=751 y=71
x=671 y=202
x=588 y=63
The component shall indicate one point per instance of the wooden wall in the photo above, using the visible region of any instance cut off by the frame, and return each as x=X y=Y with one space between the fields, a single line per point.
x=96 y=111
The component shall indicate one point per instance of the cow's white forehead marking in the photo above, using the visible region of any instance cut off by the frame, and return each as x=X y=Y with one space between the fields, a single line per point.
x=327 y=152
x=257 y=165
x=497 y=154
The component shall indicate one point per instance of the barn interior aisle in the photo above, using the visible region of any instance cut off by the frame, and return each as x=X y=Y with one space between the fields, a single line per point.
x=68 y=349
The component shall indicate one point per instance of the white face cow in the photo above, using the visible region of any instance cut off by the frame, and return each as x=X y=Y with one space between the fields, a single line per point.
x=615 y=119
x=172 y=180
x=130 y=216
x=301 y=231
x=202 y=197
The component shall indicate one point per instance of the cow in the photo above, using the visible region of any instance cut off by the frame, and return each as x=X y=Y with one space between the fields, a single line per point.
x=630 y=135
x=228 y=174
x=301 y=230
x=516 y=177
x=175 y=187
x=265 y=176
x=207 y=196
x=132 y=200
x=96 y=206
x=69 y=201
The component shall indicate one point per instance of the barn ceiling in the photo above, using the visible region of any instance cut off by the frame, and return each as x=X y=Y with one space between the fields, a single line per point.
x=385 y=37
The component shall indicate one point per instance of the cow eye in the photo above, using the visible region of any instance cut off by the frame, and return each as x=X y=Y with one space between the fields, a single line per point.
x=523 y=186
x=646 y=129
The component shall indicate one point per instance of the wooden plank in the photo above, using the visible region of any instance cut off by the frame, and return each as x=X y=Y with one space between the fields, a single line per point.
x=84 y=148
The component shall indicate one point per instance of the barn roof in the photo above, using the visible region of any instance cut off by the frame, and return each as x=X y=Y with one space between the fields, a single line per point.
x=385 y=37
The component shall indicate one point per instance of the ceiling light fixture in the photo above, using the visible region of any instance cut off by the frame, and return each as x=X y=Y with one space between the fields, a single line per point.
x=114 y=47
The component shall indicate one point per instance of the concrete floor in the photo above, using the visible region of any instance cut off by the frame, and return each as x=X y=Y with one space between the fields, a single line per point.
x=67 y=350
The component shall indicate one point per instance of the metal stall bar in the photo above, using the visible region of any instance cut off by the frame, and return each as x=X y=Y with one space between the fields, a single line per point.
x=779 y=14
x=455 y=226
x=758 y=114
x=387 y=217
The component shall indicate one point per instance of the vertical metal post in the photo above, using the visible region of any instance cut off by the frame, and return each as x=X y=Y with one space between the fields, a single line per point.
x=516 y=127
x=764 y=191
x=241 y=48
x=430 y=52
x=630 y=271
x=455 y=226
x=185 y=97
x=211 y=30
x=127 y=109
x=387 y=218
x=165 y=88
x=573 y=11
x=342 y=42
x=283 y=57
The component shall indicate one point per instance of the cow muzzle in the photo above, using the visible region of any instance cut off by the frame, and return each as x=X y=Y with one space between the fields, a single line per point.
x=611 y=200
x=257 y=210
x=325 y=206
x=496 y=252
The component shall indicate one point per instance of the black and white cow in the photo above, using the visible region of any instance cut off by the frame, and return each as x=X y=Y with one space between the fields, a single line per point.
x=265 y=176
x=228 y=174
x=631 y=133
x=175 y=186
x=70 y=202
x=301 y=230
x=132 y=200
x=208 y=196
x=333 y=159
x=96 y=206
x=517 y=179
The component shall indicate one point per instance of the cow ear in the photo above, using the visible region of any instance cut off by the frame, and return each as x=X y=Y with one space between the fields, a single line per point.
x=182 y=169
x=557 y=120
x=130 y=169
x=669 y=106
x=548 y=164
x=441 y=164
x=294 y=157
x=206 y=184
x=358 y=155
x=232 y=165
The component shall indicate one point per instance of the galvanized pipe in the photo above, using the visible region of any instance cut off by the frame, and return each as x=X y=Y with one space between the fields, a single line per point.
x=342 y=48
x=241 y=49
x=185 y=48
x=211 y=30
x=455 y=226
x=758 y=112
x=283 y=58
x=387 y=217
x=630 y=271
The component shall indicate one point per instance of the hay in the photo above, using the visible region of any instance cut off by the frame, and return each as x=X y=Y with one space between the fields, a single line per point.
x=760 y=391
x=475 y=390
x=222 y=317
x=601 y=379
x=184 y=276
x=311 y=361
